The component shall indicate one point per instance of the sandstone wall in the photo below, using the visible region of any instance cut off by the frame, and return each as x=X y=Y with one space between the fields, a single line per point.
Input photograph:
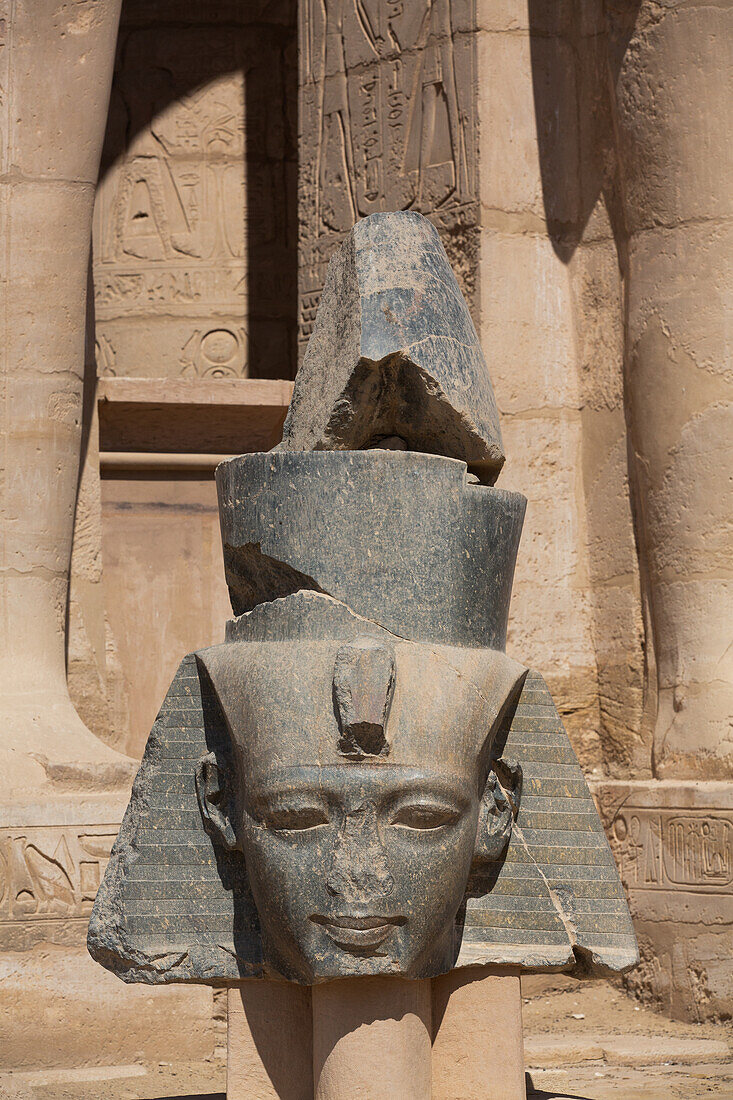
x=437 y=107
x=64 y=791
x=194 y=272
x=569 y=154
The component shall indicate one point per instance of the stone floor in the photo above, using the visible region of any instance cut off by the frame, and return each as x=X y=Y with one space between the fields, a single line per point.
x=582 y=1042
x=590 y=1041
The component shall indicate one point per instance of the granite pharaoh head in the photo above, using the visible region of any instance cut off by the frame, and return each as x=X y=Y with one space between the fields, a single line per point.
x=359 y=790
x=359 y=781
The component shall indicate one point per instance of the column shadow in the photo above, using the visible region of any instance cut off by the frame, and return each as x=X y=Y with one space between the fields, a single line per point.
x=167 y=54
x=577 y=49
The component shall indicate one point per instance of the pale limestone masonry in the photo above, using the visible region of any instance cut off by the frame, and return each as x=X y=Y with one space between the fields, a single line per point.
x=50 y=152
x=63 y=788
x=576 y=159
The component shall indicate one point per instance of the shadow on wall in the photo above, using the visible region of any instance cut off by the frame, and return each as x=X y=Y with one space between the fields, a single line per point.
x=196 y=222
x=194 y=269
x=577 y=49
x=184 y=163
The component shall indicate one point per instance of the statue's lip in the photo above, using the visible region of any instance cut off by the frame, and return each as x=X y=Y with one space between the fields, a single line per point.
x=358 y=932
x=359 y=923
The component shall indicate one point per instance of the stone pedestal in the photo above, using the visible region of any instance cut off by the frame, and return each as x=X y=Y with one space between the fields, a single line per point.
x=269 y=1041
x=477 y=1036
x=673 y=843
x=371 y=1038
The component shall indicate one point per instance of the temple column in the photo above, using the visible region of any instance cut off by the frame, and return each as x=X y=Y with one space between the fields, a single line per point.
x=671 y=834
x=51 y=142
x=676 y=156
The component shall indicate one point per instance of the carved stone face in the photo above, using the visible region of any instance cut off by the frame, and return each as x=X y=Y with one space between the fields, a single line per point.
x=358 y=796
x=359 y=869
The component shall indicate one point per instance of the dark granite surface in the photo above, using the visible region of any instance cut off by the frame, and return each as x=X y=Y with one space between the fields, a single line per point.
x=402 y=538
x=173 y=907
x=394 y=352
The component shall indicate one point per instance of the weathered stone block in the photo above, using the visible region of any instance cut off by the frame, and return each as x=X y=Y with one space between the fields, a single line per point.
x=673 y=844
x=394 y=353
x=350 y=530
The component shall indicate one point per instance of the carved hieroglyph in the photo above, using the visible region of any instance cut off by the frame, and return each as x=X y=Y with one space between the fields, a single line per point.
x=193 y=188
x=673 y=845
x=665 y=849
x=49 y=877
x=387 y=123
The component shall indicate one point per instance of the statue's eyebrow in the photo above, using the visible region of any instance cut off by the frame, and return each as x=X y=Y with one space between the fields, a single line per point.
x=271 y=795
x=323 y=784
x=438 y=791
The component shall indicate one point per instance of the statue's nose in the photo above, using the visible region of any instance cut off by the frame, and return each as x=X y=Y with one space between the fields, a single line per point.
x=359 y=870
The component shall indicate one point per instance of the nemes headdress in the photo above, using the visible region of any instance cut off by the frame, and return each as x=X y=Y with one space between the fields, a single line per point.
x=372 y=545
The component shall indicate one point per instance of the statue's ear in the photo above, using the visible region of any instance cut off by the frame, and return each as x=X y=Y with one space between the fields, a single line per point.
x=214 y=801
x=499 y=808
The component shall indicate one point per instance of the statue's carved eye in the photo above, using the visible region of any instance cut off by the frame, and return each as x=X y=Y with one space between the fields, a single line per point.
x=295 y=818
x=425 y=816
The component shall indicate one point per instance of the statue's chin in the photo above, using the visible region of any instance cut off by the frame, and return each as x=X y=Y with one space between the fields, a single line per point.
x=362 y=948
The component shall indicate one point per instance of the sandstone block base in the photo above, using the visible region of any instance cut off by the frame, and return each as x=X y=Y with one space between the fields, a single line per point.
x=371 y=1039
x=673 y=844
x=477 y=1036
x=57 y=1006
x=457 y=1036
